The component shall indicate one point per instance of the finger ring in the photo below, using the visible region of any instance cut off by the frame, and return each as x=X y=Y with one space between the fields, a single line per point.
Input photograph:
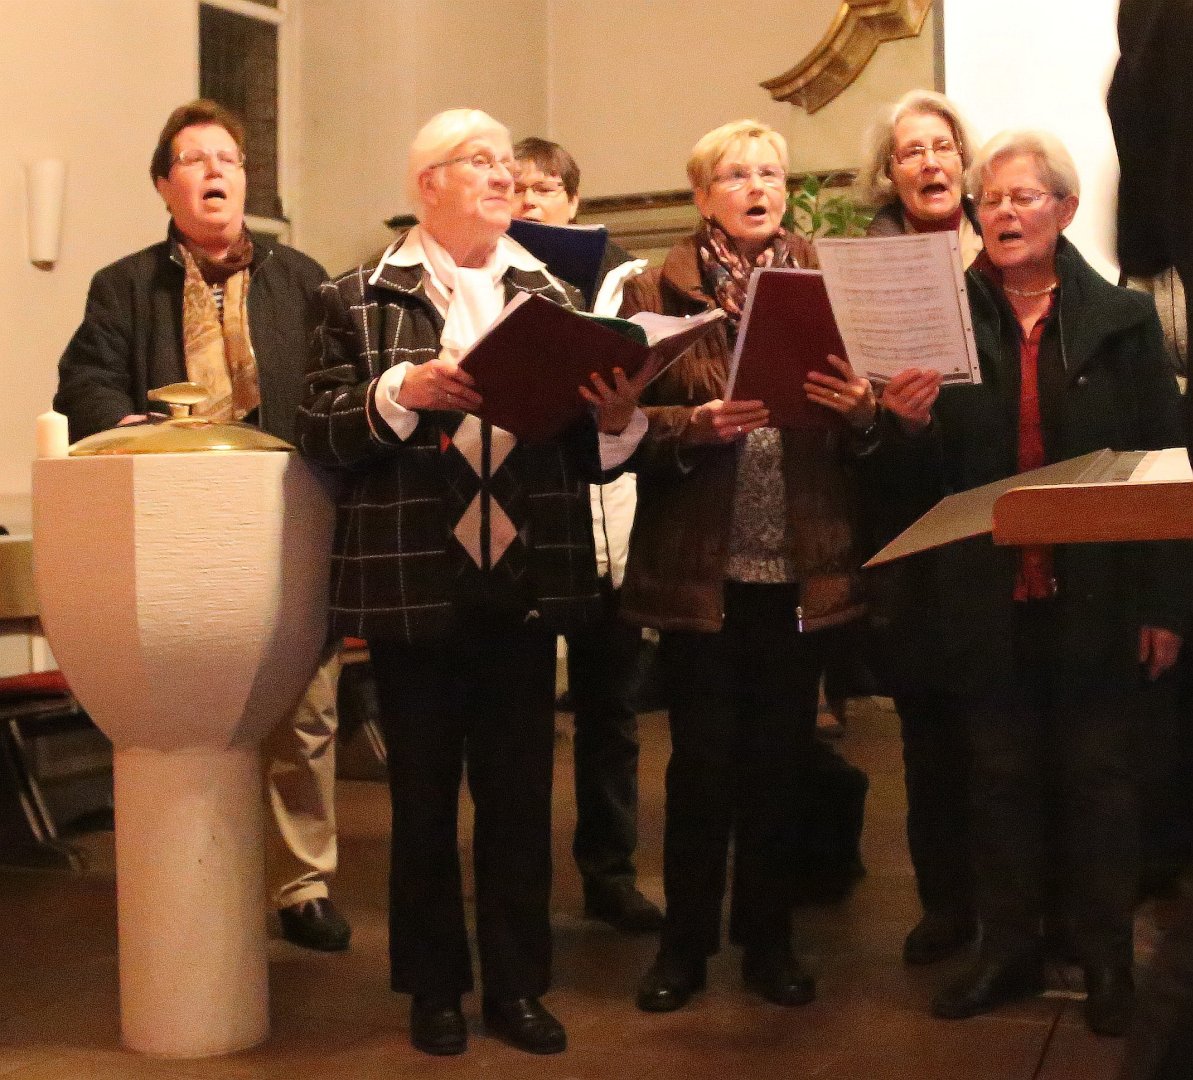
x=740 y=429
x=836 y=396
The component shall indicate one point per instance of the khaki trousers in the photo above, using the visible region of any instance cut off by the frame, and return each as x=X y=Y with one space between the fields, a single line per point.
x=299 y=758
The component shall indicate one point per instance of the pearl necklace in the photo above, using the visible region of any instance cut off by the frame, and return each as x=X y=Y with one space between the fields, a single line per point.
x=1029 y=294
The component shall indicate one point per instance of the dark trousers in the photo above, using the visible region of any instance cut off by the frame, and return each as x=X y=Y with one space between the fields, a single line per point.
x=936 y=770
x=602 y=661
x=742 y=714
x=484 y=698
x=1045 y=758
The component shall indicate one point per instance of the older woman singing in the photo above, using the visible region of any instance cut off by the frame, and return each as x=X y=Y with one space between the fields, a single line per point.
x=1045 y=645
x=743 y=531
x=460 y=555
x=914 y=173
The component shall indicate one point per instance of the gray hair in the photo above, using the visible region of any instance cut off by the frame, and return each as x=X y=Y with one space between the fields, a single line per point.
x=439 y=136
x=1054 y=162
x=717 y=143
x=874 y=182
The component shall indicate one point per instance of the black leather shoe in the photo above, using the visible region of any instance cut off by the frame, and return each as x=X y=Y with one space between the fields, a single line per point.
x=437 y=1025
x=991 y=982
x=937 y=936
x=524 y=1023
x=624 y=908
x=777 y=976
x=670 y=983
x=315 y=924
x=1110 y=1000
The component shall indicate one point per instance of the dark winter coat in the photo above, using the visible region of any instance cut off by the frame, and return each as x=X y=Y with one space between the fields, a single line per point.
x=1115 y=393
x=130 y=340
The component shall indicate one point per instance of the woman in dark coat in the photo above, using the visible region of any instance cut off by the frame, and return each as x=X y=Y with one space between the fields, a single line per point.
x=915 y=174
x=1044 y=646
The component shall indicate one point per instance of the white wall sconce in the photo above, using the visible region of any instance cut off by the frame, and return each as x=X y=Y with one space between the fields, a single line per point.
x=45 y=185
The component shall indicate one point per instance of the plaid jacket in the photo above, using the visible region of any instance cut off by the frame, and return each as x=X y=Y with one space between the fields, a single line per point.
x=397 y=569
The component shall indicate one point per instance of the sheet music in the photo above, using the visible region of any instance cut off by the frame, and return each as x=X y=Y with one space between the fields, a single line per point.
x=900 y=302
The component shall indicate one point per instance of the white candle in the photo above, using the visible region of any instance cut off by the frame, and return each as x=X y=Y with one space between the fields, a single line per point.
x=53 y=438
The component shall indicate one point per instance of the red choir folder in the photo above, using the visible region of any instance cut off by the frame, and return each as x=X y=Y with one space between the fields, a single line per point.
x=530 y=364
x=787 y=329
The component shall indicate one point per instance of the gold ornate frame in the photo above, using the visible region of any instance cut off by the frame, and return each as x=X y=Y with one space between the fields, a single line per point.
x=859 y=27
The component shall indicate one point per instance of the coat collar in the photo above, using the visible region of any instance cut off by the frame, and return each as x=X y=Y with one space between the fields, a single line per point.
x=681 y=272
x=263 y=247
x=1088 y=310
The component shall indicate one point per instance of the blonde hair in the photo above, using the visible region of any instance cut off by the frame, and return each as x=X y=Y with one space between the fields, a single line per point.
x=874 y=179
x=439 y=136
x=711 y=148
x=1055 y=163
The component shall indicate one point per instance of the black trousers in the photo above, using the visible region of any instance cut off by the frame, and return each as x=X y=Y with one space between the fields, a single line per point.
x=483 y=699
x=602 y=662
x=1044 y=755
x=742 y=713
x=936 y=770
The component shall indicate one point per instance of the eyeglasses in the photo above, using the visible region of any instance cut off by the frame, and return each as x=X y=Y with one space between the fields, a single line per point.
x=544 y=188
x=771 y=176
x=917 y=153
x=1021 y=198
x=229 y=159
x=481 y=161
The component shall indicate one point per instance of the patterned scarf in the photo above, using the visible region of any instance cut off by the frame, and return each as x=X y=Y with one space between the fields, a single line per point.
x=219 y=354
x=725 y=272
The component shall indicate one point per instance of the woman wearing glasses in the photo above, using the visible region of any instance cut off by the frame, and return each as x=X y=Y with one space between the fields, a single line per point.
x=1046 y=645
x=740 y=530
x=460 y=555
x=914 y=173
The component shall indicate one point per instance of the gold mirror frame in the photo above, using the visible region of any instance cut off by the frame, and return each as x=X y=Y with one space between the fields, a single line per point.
x=858 y=28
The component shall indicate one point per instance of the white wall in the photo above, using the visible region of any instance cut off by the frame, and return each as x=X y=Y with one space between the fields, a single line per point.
x=634 y=85
x=80 y=82
x=373 y=72
x=1044 y=65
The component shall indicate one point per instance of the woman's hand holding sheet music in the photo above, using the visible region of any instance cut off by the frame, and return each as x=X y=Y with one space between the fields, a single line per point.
x=720 y=422
x=910 y=395
x=848 y=393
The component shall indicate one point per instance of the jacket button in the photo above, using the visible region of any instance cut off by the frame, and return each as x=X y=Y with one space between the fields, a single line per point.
x=1083 y=380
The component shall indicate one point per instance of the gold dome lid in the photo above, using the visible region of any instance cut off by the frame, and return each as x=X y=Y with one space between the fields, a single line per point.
x=181 y=433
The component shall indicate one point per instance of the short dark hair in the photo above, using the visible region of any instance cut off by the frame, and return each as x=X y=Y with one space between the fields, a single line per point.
x=199 y=111
x=552 y=159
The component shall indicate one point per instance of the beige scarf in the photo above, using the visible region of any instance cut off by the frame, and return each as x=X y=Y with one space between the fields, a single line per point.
x=219 y=354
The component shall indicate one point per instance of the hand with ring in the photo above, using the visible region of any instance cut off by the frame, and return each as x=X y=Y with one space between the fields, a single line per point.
x=438 y=384
x=721 y=422
x=843 y=391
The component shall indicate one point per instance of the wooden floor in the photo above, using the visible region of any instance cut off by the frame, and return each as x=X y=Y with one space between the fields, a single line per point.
x=333 y=1015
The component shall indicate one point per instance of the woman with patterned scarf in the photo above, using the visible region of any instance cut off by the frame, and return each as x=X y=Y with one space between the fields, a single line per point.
x=742 y=546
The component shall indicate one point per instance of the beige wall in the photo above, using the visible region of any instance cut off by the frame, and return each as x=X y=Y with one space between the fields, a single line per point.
x=77 y=83
x=373 y=71
x=633 y=85
x=628 y=86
